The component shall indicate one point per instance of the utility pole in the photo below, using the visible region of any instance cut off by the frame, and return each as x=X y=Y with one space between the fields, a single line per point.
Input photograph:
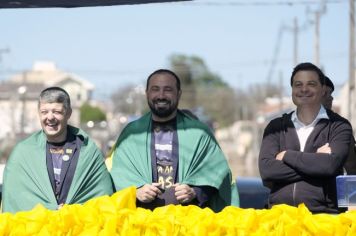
x=351 y=101
x=295 y=29
x=295 y=39
x=22 y=90
x=3 y=51
x=317 y=39
x=317 y=14
x=281 y=90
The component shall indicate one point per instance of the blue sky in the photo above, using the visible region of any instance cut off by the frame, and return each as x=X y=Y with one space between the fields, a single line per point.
x=114 y=46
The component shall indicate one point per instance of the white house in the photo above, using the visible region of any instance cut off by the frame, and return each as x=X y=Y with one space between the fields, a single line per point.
x=19 y=97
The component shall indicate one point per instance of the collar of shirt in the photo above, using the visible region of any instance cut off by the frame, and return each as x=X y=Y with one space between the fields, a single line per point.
x=303 y=131
x=321 y=115
x=164 y=126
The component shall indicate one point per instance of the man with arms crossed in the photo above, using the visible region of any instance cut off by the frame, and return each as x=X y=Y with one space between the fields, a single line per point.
x=302 y=152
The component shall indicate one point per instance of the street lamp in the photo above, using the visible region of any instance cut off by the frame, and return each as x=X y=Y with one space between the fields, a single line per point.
x=22 y=93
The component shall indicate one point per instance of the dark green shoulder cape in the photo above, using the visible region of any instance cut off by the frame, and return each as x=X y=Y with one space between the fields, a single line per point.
x=27 y=183
x=201 y=161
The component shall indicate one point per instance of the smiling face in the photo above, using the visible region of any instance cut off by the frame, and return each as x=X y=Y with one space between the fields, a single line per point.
x=163 y=96
x=54 y=119
x=307 y=89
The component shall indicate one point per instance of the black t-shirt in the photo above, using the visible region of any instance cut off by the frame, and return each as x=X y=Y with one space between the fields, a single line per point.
x=61 y=163
x=165 y=162
x=165 y=149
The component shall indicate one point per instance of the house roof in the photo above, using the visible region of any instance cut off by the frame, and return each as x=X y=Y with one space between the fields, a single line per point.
x=9 y=90
x=69 y=76
x=46 y=73
x=74 y=3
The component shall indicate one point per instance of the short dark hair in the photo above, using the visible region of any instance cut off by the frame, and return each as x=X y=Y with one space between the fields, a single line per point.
x=55 y=95
x=164 y=71
x=307 y=66
x=329 y=83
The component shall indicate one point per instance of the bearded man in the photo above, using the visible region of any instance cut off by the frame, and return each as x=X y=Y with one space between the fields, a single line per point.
x=169 y=156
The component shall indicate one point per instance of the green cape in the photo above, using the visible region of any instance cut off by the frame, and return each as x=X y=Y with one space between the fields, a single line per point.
x=201 y=161
x=27 y=183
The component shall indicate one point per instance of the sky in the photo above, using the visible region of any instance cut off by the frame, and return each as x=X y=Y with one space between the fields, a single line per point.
x=119 y=45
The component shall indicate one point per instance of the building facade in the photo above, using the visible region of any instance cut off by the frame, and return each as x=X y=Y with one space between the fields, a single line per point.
x=19 y=97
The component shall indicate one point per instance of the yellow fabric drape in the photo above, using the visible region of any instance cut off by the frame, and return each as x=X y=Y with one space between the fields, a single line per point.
x=118 y=215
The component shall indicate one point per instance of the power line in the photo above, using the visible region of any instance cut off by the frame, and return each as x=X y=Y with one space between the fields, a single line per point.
x=260 y=3
x=227 y=66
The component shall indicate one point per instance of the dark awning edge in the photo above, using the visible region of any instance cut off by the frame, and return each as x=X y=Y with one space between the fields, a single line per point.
x=74 y=3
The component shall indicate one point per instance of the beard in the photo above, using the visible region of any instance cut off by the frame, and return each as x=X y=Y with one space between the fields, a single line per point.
x=162 y=111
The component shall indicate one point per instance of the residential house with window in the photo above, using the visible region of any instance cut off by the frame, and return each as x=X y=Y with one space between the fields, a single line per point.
x=19 y=97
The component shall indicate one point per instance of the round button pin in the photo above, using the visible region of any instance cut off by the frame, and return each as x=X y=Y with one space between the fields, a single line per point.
x=65 y=158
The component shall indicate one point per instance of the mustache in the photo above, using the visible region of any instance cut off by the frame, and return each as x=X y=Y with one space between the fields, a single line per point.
x=161 y=100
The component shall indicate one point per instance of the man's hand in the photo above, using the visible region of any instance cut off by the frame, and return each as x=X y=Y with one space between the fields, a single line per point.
x=280 y=155
x=148 y=192
x=60 y=206
x=324 y=149
x=184 y=193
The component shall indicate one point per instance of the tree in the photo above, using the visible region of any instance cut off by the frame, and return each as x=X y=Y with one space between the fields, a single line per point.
x=219 y=103
x=202 y=88
x=130 y=100
x=248 y=102
x=181 y=65
x=263 y=90
x=91 y=113
x=210 y=80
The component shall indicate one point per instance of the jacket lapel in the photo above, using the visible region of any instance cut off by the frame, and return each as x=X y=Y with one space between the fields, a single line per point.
x=290 y=134
x=50 y=168
x=69 y=150
x=319 y=127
